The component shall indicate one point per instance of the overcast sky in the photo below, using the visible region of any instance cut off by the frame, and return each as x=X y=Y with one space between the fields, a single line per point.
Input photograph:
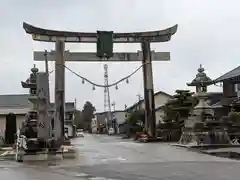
x=208 y=34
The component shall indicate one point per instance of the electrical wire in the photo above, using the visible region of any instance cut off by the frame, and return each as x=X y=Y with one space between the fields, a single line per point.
x=100 y=85
x=51 y=72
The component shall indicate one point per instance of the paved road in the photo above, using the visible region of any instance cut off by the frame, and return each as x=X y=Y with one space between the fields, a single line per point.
x=105 y=157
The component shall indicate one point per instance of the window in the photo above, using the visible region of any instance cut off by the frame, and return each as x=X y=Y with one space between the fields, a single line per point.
x=237 y=89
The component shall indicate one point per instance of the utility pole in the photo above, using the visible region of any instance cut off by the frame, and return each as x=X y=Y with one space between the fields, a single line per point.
x=46 y=61
x=113 y=105
x=114 y=120
x=75 y=103
x=47 y=72
x=139 y=99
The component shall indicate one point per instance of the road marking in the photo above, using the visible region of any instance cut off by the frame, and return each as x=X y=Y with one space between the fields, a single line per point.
x=100 y=178
x=81 y=175
x=115 y=159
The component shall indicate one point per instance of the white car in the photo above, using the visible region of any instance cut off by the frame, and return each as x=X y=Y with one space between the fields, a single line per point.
x=80 y=134
x=110 y=131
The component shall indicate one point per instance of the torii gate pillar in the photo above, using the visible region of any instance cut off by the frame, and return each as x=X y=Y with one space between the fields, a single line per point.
x=150 y=118
x=59 y=113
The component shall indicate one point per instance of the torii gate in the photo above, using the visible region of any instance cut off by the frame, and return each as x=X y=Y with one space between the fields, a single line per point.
x=60 y=56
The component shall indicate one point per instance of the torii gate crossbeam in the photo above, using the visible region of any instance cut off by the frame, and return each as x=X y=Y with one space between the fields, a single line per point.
x=91 y=56
x=47 y=35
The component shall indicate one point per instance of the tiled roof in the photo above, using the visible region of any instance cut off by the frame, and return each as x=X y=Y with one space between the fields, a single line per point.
x=224 y=102
x=231 y=74
x=160 y=107
x=14 y=100
x=214 y=97
x=19 y=104
x=139 y=102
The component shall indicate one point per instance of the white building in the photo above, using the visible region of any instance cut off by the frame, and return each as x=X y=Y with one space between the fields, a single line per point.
x=120 y=117
x=160 y=98
x=16 y=104
x=94 y=124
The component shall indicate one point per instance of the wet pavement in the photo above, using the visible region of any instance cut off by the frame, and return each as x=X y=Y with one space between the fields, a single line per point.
x=108 y=157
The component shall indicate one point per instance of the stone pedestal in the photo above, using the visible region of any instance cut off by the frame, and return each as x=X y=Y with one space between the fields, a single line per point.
x=203 y=138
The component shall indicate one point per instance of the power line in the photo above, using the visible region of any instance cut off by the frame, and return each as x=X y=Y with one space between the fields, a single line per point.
x=51 y=72
x=109 y=85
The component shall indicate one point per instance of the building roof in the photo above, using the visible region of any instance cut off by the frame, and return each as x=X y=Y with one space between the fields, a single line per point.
x=229 y=75
x=139 y=102
x=104 y=112
x=160 y=108
x=14 y=100
x=19 y=104
x=136 y=104
x=214 y=97
x=223 y=102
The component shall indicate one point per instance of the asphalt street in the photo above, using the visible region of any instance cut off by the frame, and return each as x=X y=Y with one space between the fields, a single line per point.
x=109 y=157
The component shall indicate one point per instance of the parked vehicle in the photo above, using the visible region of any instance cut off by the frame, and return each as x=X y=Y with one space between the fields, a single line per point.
x=80 y=134
x=143 y=138
x=110 y=131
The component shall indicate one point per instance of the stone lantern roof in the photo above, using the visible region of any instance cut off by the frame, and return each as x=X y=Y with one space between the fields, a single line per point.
x=34 y=69
x=201 y=78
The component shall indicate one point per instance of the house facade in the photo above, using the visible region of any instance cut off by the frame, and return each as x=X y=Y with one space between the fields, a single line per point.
x=16 y=104
x=120 y=116
x=94 y=125
x=98 y=124
x=230 y=83
x=100 y=119
x=160 y=97
x=19 y=105
x=69 y=125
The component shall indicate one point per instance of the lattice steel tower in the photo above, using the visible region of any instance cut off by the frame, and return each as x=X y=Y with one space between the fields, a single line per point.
x=107 y=104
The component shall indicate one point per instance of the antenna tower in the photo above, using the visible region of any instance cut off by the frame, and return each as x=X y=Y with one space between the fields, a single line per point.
x=107 y=104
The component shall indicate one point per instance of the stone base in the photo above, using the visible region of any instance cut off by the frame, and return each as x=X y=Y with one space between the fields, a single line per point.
x=192 y=138
x=65 y=152
x=67 y=142
x=206 y=146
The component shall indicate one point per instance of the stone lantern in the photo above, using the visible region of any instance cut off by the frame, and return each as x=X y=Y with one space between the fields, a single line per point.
x=202 y=111
x=201 y=128
x=201 y=81
x=37 y=83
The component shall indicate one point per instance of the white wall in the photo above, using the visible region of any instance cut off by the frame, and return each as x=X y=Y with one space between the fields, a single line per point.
x=70 y=130
x=2 y=125
x=160 y=100
x=94 y=125
x=159 y=113
x=120 y=117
